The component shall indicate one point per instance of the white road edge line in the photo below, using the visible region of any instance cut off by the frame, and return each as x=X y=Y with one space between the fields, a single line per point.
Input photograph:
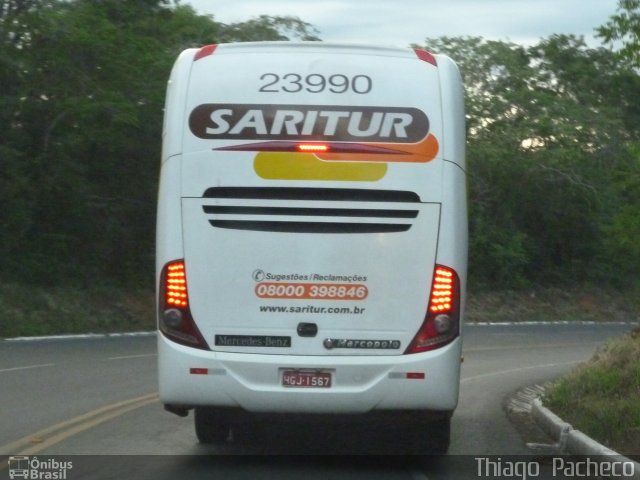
x=514 y=370
x=81 y=336
x=128 y=357
x=27 y=367
x=542 y=322
x=529 y=347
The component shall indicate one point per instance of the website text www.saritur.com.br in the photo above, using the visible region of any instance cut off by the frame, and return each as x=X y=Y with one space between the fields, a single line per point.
x=312 y=309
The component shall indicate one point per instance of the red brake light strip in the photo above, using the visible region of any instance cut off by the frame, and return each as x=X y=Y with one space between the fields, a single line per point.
x=331 y=147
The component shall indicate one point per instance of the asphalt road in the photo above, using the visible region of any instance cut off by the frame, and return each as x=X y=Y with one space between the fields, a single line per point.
x=96 y=396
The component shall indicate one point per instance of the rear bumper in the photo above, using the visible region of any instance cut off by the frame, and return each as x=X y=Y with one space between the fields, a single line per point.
x=361 y=384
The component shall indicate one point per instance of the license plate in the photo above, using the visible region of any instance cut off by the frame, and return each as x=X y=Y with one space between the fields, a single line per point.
x=301 y=379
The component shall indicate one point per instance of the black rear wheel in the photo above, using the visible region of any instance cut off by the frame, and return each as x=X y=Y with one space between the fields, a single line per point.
x=440 y=436
x=432 y=438
x=211 y=425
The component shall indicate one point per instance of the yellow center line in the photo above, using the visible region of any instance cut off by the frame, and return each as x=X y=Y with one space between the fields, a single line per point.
x=61 y=431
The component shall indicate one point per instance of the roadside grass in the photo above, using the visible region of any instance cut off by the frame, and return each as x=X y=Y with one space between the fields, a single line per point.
x=32 y=311
x=600 y=397
x=578 y=303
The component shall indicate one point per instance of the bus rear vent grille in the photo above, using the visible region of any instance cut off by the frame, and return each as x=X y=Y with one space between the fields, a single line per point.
x=288 y=210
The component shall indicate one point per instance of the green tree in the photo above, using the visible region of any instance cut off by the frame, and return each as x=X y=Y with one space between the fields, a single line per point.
x=265 y=27
x=548 y=127
x=621 y=247
x=623 y=28
x=83 y=85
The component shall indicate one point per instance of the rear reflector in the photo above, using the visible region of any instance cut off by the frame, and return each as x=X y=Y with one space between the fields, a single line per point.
x=199 y=371
x=205 y=52
x=407 y=375
x=426 y=56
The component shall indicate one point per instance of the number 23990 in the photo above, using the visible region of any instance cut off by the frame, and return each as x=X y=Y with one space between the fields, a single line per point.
x=315 y=83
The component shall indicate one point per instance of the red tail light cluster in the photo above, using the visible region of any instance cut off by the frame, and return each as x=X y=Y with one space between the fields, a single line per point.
x=442 y=321
x=176 y=291
x=442 y=291
x=175 y=320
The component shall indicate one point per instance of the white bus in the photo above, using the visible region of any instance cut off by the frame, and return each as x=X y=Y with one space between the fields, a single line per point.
x=312 y=236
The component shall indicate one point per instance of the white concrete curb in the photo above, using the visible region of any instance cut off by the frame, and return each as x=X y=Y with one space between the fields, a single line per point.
x=572 y=441
x=550 y=423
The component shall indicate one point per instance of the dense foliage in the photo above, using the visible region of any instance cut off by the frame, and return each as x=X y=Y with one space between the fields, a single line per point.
x=554 y=157
x=553 y=143
x=82 y=87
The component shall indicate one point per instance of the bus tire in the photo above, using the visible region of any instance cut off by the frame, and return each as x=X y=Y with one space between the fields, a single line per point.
x=210 y=426
x=440 y=433
x=433 y=438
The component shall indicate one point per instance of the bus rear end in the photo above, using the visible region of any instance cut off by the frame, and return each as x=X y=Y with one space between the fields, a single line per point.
x=312 y=242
